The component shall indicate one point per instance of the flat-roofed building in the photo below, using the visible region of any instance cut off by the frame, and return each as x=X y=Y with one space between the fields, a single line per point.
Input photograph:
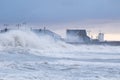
x=77 y=36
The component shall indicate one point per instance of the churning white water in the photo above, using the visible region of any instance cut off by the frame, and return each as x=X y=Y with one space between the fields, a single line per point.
x=26 y=55
x=29 y=39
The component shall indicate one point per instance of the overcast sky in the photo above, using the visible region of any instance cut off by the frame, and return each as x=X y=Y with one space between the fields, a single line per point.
x=58 y=10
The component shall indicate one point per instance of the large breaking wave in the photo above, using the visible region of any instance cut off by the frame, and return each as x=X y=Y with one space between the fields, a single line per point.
x=27 y=55
x=27 y=39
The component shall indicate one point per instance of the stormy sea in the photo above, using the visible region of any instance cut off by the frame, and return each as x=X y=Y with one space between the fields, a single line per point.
x=26 y=55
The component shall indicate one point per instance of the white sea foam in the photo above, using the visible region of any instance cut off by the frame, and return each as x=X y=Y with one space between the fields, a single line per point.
x=27 y=55
x=27 y=39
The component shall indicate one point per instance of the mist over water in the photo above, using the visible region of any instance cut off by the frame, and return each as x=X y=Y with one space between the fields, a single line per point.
x=30 y=52
x=28 y=39
x=42 y=57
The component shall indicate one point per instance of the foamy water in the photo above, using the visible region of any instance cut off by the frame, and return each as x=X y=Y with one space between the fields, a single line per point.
x=28 y=39
x=29 y=56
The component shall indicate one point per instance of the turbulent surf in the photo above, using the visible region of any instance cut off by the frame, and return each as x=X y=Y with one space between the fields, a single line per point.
x=28 y=55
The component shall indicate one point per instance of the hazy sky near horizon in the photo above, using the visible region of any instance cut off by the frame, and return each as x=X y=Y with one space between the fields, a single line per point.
x=96 y=15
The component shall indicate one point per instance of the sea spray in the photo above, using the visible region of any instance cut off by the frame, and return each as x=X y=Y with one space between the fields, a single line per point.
x=27 y=39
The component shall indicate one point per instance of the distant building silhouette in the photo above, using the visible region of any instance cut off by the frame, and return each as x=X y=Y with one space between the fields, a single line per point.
x=77 y=36
x=101 y=37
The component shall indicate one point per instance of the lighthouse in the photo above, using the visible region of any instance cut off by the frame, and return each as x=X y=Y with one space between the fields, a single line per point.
x=101 y=37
